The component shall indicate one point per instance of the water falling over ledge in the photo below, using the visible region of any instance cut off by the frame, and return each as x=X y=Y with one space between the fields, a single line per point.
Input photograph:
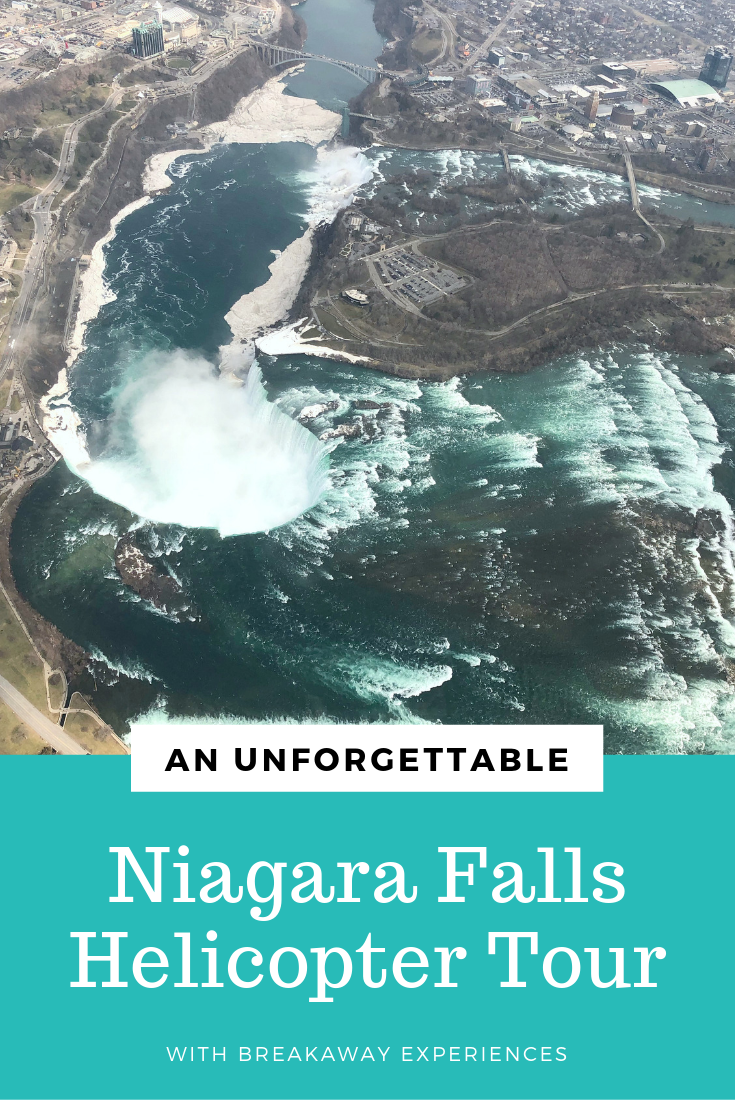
x=185 y=446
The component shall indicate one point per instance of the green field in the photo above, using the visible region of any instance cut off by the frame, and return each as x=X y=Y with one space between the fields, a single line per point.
x=702 y=257
x=15 y=737
x=19 y=663
x=427 y=46
x=13 y=194
x=91 y=734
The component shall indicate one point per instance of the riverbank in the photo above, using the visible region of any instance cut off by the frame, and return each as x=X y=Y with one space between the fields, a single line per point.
x=86 y=222
x=266 y=115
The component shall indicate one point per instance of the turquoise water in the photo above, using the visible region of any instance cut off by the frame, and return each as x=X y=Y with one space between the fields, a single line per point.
x=340 y=29
x=552 y=547
x=565 y=189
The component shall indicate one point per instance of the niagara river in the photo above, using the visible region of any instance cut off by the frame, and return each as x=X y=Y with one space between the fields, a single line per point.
x=548 y=547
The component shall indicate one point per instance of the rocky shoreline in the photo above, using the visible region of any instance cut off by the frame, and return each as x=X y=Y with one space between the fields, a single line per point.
x=115 y=183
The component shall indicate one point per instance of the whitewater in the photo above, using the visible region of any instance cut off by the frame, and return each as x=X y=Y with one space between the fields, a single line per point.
x=267 y=468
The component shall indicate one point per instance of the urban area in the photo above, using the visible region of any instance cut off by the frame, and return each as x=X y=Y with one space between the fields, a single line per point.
x=655 y=77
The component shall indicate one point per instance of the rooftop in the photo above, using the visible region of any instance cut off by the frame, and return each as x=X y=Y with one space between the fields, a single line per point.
x=177 y=15
x=688 y=92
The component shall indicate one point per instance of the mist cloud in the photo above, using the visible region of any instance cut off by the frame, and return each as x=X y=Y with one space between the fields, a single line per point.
x=185 y=446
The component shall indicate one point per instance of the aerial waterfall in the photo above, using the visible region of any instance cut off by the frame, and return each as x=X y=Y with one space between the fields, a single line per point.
x=186 y=446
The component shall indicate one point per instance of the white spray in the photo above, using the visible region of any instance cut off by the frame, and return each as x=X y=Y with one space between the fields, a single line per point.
x=185 y=447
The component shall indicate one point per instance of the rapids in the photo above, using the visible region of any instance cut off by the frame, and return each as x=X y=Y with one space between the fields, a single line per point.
x=550 y=547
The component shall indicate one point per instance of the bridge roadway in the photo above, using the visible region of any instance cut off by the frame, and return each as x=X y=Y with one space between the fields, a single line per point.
x=634 y=197
x=635 y=201
x=284 y=55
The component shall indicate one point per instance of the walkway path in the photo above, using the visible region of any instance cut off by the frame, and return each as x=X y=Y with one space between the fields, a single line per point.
x=54 y=735
x=448 y=33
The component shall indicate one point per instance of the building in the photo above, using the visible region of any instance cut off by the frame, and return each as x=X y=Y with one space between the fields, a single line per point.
x=493 y=105
x=687 y=93
x=616 y=71
x=148 y=37
x=524 y=87
x=592 y=106
x=572 y=92
x=708 y=160
x=357 y=298
x=478 y=84
x=622 y=115
x=181 y=22
x=496 y=58
x=716 y=68
x=608 y=90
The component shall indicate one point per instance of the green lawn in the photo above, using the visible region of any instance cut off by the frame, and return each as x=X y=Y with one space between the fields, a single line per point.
x=15 y=737
x=86 y=730
x=13 y=194
x=18 y=660
x=427 y=46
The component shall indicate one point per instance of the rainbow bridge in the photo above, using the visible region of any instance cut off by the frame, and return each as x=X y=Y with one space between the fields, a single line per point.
x=282 y=55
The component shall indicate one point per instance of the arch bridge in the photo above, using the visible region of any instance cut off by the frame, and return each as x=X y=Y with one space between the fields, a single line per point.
x=282 y=55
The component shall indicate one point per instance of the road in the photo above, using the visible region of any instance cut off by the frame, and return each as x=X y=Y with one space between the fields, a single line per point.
x=569 y=298
x=635 y=201
x=40 y=210
x=482 y=50
x=33 y=272
x=40 y=206
x=449 y=35
x=54 y=735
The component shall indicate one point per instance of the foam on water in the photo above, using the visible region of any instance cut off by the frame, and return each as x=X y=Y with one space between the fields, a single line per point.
x=443 y=473
x=333 y=181
x=375 y=679
x=186 y=447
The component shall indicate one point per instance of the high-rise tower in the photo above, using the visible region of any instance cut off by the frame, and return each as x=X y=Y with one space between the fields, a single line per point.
x=717 y=65
x=148 y=39
x=591 y=107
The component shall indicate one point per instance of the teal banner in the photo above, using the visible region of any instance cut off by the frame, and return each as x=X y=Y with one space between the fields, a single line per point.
x=512 y=946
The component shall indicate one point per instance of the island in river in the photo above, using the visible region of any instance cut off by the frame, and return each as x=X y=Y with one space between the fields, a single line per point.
x=551 y=545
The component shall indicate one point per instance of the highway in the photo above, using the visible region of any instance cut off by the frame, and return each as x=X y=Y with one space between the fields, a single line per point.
x=33 y=273
x=40 y=207
x=50 y=732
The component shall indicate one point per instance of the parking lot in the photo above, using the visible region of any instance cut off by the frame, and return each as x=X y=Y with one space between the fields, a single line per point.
x=418 y=278
x=12 y=73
